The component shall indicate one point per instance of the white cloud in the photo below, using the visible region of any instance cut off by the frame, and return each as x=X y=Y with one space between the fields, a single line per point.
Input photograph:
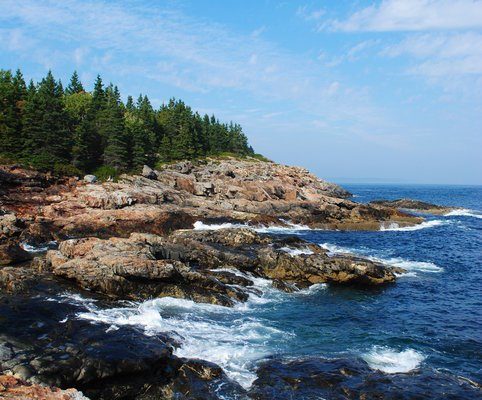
x=309 y=15
x=441 y=54
x=413 y=15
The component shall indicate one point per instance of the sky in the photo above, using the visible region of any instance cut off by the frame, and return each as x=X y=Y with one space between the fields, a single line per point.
x=356 y=91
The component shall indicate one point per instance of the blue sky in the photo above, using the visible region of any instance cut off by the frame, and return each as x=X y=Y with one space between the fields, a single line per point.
x=356 y=91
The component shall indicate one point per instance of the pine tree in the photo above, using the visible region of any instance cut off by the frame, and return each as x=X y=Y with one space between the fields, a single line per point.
x=75 y=86
x=112 y=128
x=47 y=137
x=13 y=93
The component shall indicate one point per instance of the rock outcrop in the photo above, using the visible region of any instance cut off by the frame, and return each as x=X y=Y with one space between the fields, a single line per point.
x=121 y=363
x=10 y=231
x=185 y=265
x=247 y=191
x=350 y=379
x=414 y=205
x=12 y=388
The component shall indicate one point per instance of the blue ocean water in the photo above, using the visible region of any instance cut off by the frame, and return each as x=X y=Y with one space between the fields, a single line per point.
x=431 y=318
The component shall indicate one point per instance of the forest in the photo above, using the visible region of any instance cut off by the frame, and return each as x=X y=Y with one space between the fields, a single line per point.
x=72 y=130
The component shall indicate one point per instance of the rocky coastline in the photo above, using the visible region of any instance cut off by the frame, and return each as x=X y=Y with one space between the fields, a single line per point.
x=190 y=230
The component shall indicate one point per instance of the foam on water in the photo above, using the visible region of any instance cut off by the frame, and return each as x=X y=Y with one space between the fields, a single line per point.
x=409 y=265
x=464 y=212
x=289 y=228
x=426 y=224
x=201 y=226
x=296 y=252
x=37 y=249
x=233 y=338
x=391 y=361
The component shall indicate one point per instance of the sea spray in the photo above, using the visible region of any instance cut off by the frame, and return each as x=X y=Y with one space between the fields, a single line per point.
x=409 y=265
x=392 y=361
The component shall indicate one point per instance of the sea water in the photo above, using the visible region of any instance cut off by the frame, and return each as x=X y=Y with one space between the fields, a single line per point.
x=431 y=318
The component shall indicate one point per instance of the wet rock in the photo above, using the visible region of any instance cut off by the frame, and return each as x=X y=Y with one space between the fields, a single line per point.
x=415 y=205
x=12 y=388
x=343 y=379
x=44 y=342
x=202 y=380
x=10 y=231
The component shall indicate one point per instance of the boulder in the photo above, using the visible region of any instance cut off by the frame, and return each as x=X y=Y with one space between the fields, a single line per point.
x=90 y=178
x=148 y=172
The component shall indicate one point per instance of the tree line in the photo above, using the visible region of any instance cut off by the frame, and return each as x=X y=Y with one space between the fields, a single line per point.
x=77 y=131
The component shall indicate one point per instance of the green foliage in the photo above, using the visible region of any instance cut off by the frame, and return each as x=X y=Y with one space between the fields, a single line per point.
x=66 y=170
x=106 y=173
x=73 y=131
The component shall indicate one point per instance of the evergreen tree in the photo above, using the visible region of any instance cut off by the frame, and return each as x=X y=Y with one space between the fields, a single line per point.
x=45 y=125
x=13 y=93
x=75 y=86
x=112 y=128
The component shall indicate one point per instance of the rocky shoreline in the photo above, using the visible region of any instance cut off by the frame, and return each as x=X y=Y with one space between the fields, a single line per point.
x=133 y=240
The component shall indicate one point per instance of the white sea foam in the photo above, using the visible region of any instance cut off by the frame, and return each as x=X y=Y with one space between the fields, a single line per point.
x=317 y=287
x=409 y=265
x=464 y=212
x=230 y=337
x=391 y=361
x=289 y=228
x=201 y=226
x=296 y=252
x=37 y=249
x=426 y=224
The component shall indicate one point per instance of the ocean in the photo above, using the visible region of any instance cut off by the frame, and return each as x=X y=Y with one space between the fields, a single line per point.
x=429 y=321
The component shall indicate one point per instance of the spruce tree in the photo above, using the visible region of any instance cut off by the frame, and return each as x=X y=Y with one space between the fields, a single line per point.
x=112 y=128
x=45 y=126
x=13 y=92
x=75 y=86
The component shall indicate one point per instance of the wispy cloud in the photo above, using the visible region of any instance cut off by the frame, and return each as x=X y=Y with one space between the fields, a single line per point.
x=309 y=14
x=167 y=46
x=442 y=54
x=413 y=15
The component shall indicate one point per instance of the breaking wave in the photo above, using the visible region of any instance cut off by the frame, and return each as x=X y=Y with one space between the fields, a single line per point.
x=289 y=228
x=464 y=212
x=409 y=265
x=391 y=361
x=426 y=224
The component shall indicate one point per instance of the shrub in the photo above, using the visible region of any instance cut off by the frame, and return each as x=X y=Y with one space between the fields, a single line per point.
x=66 y=170
x=105 y=173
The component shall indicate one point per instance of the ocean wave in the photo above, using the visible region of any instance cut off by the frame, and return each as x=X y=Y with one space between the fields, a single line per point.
x=201 y=226
x=296 y=252
x=464 y=212
x=391 y=361
x=409 y=265
x=231 y=337
x=289 y=228
x=393 y=226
